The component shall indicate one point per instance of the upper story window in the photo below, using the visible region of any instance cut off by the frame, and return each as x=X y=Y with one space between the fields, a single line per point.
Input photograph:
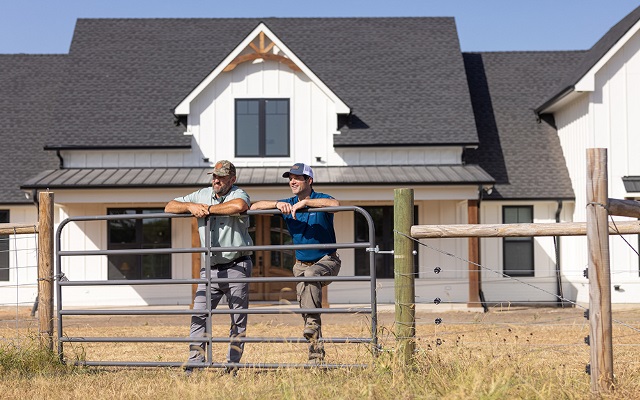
x=517 y=251
x=262 y=127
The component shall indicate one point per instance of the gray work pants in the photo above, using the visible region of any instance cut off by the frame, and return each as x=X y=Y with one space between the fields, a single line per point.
x=238 y=296
x=310 y=293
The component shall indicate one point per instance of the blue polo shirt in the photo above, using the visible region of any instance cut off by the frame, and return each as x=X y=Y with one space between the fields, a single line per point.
x=310 y=228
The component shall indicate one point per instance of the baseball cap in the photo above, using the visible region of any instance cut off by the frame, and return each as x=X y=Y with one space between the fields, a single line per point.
x=223 y=168
x=299 y=169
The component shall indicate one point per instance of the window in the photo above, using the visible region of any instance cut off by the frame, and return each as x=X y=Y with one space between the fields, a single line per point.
x=262 y=127
x=383 y=223
x=4 y=248
x=517 y=251
x=150 y=233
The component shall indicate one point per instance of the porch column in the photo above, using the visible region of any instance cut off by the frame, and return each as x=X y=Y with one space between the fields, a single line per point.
x=474 y=257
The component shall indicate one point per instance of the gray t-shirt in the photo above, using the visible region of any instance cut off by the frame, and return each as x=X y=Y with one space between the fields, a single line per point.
x=226 y=230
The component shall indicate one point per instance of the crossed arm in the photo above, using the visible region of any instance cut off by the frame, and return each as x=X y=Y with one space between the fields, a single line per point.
x=235 y=206
x=287 y=208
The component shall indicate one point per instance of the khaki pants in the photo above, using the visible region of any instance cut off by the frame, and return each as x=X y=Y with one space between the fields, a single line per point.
x=310 y=293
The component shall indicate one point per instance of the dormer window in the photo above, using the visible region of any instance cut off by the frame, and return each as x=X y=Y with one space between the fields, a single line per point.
x=262 y=128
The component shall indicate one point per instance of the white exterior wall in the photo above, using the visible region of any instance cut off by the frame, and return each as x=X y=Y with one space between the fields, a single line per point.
x=607 y=118
x=543 y=285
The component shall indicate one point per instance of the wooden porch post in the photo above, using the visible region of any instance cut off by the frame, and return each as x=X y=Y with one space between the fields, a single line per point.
x=474 y=257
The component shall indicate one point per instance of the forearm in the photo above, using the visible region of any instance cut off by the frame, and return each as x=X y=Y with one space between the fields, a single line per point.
x=264 y=205
x=235 y=206
x=177 y=207
x=319 y=203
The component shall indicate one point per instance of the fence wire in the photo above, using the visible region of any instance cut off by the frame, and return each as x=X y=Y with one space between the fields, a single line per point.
x=520 y=328
x=19 y=287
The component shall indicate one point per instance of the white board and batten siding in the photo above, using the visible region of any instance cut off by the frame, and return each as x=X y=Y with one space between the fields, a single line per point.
x=607 y=117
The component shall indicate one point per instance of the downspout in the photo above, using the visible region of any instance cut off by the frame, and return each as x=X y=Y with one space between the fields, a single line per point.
x=61 y=164
x=480 y=292
x=556 y=242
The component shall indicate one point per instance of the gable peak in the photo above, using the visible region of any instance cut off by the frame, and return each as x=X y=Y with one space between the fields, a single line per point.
x=261 y=47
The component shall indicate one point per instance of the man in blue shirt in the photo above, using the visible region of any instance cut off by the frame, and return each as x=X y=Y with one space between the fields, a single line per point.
x=314 y=227
x=222 y=202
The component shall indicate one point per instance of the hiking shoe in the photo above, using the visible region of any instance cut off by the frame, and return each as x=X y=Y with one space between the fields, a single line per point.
x=188 y=371
x=311 y=331
x=233 y=371
x=316 y=356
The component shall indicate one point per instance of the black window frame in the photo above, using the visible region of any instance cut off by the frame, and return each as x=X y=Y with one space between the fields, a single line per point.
x=519 y=241
x=138 y=261
x=5 y=266
x=384 y=262
x=262 y=129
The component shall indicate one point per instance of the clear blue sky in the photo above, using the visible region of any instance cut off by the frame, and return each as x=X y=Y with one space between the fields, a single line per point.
x=46 y=26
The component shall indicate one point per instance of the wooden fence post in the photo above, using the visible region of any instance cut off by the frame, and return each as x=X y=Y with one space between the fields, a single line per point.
x=403 y=275
x=45 y=269
x=599 y=273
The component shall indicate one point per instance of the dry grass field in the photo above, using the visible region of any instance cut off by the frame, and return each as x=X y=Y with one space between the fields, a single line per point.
x=507 y=353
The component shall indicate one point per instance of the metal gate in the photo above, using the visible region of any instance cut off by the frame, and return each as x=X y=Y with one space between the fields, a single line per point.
x=369 y=246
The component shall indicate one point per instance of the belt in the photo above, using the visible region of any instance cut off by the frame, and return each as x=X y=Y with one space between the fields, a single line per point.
x=308 y=263
x=230 y=264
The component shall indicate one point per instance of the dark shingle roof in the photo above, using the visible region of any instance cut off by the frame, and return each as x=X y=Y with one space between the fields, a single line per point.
x=402 y=77
x=524 y=156
x=27 y=93
x=591 y=57
x=106 y=178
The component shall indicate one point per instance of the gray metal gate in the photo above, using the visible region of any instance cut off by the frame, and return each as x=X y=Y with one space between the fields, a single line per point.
x=370 y=247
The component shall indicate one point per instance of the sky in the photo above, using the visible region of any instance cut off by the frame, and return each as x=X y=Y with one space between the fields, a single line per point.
x=46 y=26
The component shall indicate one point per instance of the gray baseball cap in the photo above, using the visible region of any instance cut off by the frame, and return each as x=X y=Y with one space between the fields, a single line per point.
x=299 y=169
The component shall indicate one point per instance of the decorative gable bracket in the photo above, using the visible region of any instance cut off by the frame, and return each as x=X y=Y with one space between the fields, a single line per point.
x=261 y=53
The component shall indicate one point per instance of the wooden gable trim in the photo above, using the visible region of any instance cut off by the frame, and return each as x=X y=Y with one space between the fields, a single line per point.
x=261 y=53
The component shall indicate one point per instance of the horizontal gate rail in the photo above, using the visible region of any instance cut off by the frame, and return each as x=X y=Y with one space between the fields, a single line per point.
x=62 y=313
x=214 y=340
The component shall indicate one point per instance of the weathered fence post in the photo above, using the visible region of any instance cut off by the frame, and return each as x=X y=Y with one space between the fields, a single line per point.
x=45 y=268
x=599 y=272
x=403 y=274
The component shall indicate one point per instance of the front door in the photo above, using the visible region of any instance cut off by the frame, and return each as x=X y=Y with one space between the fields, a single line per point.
x=267 y=230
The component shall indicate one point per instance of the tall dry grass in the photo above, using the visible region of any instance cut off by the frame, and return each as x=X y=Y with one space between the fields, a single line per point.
x=541 y=355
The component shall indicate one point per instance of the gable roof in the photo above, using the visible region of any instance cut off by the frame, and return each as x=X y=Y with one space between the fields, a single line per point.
x=599 y=52
x=403 y=78
x=522 y=154
x=27 y=93
x=262 y=31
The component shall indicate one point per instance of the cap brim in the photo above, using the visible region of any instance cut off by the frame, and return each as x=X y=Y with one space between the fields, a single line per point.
x=286 y=174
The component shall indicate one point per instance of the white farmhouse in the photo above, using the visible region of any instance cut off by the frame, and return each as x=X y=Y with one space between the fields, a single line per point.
x=139 y=110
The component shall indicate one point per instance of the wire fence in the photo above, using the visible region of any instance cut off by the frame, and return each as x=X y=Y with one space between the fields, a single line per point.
x=18 y=287
x=519 y=330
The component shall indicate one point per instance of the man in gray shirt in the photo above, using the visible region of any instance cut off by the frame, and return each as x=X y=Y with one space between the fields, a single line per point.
x=222 y=202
